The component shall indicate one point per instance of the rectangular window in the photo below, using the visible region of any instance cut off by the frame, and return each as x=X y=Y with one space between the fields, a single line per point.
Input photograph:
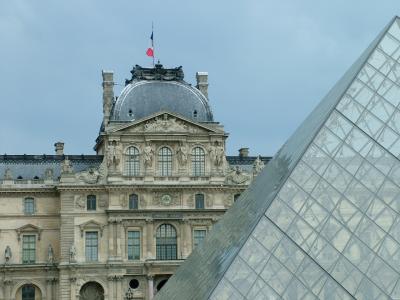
x=91 y=245
x=91 y=202
x=133 y=245
x=28 y=249
x=198 y=237
x=29 y=206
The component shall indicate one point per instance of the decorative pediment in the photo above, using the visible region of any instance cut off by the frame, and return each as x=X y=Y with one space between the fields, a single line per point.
x=29 y=229
x=164 y=122
x=91 y=225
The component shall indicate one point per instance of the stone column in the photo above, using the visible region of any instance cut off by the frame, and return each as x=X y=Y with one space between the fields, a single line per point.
x=118 y=279
x=118 y=239
x=49 y=288
x=73 y=288
x=111 y=239
x=7 y=289
x=111 y=295
x=150 y=283
x=150 y=234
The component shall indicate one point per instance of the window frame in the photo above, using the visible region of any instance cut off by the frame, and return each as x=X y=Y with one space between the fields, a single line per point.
x=28 y=253
x=134 y=246
x=88 y=257
x=196 y=201
x=89 y=202
x=132 y=161
x=165 y=161
x=28 y=297
x=168 y=250
x=198 y=160
x=26 y=212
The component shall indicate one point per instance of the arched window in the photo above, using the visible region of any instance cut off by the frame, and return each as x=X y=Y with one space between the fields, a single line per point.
x=133 y=201
x=28 y=292
x=199 y=201
x=91 y=202
x=166 y=245
x=198 y=161
x=165 y=161
x=132 y=164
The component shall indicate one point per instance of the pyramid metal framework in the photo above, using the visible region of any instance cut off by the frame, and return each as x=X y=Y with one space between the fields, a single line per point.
x=322 y=221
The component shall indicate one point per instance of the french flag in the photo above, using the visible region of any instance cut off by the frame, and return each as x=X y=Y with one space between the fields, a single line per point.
x=150 y=51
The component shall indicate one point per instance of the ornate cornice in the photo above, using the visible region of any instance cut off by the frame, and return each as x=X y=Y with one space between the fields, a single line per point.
x=156 y=73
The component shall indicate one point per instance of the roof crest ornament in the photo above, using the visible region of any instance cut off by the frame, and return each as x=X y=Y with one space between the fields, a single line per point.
x=156 y=73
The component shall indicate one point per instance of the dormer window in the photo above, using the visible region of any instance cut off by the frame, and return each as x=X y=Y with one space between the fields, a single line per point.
x=195 y=114
x=130 y=113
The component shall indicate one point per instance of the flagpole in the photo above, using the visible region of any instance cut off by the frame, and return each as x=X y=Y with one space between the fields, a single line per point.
x=152 y=41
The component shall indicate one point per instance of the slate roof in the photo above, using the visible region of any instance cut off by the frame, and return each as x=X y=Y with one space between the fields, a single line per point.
x=263 y=246
x=29 y=166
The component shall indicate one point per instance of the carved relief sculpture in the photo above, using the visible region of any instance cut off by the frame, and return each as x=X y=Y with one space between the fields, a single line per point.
x=114 y=151
x=72 y=253
x=217 y=155
x=79 y=201
x=48 y=174
x=237 y=176
x=165 y=124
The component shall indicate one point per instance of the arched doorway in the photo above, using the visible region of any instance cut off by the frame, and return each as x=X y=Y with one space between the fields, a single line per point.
x=91 y=291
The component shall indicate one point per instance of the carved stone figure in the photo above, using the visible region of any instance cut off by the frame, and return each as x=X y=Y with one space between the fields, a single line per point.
x=182 y=155
x=66 y=166
x=79 y=201
x=113 y=154
x=90 y=176
x=217 y=154
x=48 y=174
x=237 y=176
x=123 y=200
x=50 y=254
x=72 y=253
x=7 y=254
x=258 y=166
x=165 y=124
x=8 y=174
x=148 y=156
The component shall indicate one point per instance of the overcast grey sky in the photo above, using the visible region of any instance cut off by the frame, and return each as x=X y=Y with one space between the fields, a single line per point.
x=269 y=62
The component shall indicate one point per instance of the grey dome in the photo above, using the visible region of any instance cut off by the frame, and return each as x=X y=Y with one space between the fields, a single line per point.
x=142 y=97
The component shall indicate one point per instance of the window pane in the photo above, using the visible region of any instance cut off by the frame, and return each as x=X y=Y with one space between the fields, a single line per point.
x=132 y=163
x=198 y=236
x=91 y=246
x=198 y=162
x=91 y=202
x=28 y=292
x=199 y=200
x=165 y=161
x=28 y=249
x=166 y=245
x=133 y=245
x=133 y=201
x=29 y=206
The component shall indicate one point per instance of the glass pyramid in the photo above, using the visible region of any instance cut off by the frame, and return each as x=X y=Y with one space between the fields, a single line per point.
x=322 y=221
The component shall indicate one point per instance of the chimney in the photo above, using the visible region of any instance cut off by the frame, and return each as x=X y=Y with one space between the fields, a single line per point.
x=108 y=94
x=243 y=152
x=59 y=147
x=202 y=82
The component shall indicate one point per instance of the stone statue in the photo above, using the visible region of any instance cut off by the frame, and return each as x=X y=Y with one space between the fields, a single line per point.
x=48 y=174
x=148 y=156
x=8 y=174
x=258 y=166
x=72 y=253
x=182 y=154
x=237 y=176
x=7 y=255
x=50 y=254
x=66 y=166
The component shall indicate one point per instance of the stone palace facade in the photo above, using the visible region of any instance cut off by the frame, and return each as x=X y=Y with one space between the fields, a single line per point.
x=116 y=225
